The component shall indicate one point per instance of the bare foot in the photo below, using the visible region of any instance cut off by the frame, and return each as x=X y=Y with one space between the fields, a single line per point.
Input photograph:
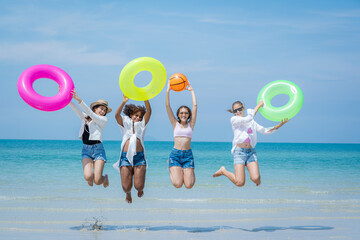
x=106 y=181
x=219 y=172
x=128 y=198
x=140 y=193
x=91 y=183
x=258 y=184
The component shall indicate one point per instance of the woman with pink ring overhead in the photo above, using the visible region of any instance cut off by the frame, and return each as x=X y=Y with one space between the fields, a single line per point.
x=92 y=126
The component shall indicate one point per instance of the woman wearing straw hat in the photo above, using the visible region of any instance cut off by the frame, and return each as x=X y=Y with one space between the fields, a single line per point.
x=92 y=126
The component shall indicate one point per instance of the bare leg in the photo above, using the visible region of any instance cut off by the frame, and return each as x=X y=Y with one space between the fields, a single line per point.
x=98 y=171
x=126 y=181
x=88 y=166
x=254 y=172
x=177 y=176
x=189 y=177
x=238 y=178
x=139 y=179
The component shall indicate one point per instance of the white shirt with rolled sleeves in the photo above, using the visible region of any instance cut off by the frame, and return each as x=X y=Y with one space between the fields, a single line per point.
x=240 y=126
x=96 y=125
x=128 y=133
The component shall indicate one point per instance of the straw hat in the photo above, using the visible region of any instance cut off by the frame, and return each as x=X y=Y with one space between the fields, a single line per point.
x=102 y=103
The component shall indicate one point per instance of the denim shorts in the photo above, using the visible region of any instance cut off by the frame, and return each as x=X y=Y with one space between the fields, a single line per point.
x=181 y=158
x=244 y=155
x=95 y=152
x=138 y=160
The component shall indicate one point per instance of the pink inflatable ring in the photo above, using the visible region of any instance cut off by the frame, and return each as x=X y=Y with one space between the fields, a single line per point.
x=35 y=100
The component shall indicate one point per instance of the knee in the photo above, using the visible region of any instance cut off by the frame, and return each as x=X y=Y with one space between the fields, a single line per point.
x=139 y=186
x=126 y=187
x=98 y=180
x=256 y=180
x=177 y=184
x=239 y=183
x=189 y=185
x=88 y=177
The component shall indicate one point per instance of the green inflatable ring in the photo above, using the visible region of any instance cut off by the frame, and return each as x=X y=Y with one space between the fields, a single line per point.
x=280 y=87
x=127 y=75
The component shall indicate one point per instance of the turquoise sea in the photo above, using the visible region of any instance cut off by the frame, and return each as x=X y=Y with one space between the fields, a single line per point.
x=308 y=191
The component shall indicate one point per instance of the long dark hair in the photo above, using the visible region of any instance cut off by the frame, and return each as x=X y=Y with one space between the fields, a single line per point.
x=178 y=111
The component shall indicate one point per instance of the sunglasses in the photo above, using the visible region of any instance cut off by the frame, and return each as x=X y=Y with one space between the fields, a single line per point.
x=238 y=109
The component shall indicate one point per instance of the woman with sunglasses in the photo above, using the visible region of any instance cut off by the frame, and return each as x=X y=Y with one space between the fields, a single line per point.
x=181 y=160
x=244 y=142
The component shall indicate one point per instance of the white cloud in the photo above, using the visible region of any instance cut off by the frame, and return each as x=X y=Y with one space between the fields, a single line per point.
x=55 y=51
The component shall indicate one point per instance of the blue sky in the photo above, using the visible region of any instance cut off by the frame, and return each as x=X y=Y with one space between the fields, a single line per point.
x=228 y=50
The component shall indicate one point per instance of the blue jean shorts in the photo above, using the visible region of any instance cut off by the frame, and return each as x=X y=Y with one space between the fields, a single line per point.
x=244 y=155
x=138 y=160
x=181 y=158
x=95 y=152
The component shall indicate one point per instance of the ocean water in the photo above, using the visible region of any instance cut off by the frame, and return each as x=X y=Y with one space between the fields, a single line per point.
x=313 y=187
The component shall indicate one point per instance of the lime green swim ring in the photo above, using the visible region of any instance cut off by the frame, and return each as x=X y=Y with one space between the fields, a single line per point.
x=127 y=75
x=290 y=109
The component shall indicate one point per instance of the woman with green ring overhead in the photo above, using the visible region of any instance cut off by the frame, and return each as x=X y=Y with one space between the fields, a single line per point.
x=245 y=139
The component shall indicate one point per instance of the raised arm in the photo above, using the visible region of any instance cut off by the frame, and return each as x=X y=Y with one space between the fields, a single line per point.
x=194 y=108
x=168 y=108
x=101 y=120
x=119 y=110
x=148 y=111
x=76 y=109
x=75 y=96
x=260 y=104
x=270 y=130
x=285 y=120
